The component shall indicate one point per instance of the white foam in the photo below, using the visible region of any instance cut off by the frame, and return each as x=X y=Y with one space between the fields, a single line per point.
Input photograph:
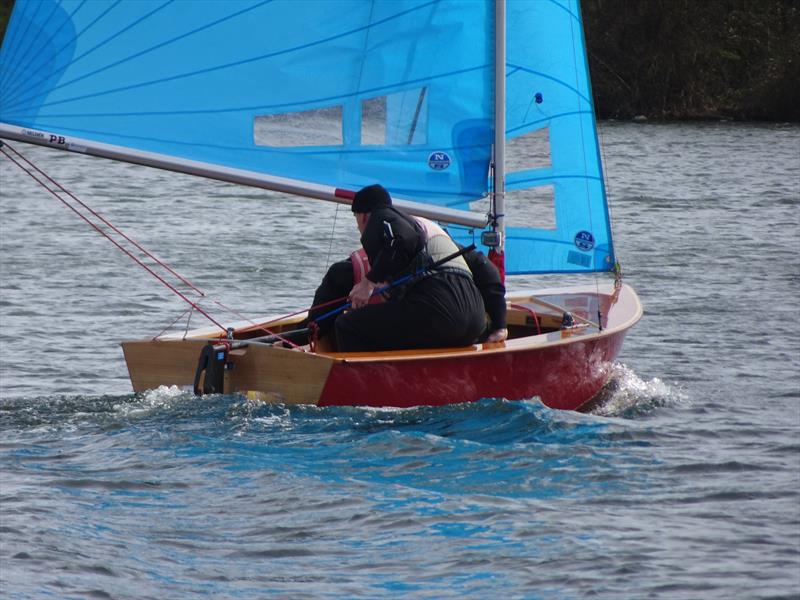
x=163 y=396
x=626 y=391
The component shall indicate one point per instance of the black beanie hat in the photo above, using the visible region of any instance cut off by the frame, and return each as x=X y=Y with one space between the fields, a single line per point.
x=371 y=197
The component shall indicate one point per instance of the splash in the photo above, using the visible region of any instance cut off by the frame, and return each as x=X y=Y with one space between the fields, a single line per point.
x=162 y=397
x=628 y=396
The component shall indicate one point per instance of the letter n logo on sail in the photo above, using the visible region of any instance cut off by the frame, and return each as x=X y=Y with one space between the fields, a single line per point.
x=438 y=161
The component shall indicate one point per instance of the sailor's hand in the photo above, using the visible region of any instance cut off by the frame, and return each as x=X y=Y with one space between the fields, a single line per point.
x=498 y=335
x=361 y=292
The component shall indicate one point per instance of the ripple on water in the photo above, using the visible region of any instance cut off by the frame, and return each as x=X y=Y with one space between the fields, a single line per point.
x=682 y=483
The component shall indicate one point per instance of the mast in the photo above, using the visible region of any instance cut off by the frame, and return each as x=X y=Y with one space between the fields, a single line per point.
x=496 y=254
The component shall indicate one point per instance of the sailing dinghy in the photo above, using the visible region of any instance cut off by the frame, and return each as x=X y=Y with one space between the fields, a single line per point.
x=477 y=114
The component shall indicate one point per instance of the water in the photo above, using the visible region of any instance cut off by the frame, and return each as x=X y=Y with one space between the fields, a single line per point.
x=685 y=484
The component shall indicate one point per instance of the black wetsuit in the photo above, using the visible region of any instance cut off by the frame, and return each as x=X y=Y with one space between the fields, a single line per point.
x=487 y=280
x=438 y=310
x=338 y=282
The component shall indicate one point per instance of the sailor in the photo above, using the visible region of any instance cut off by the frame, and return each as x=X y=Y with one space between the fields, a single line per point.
x=441 y=308
x=342 y=275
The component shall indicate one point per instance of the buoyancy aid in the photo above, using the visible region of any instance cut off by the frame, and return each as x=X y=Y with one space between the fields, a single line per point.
x=438 y=245
x=360 y=270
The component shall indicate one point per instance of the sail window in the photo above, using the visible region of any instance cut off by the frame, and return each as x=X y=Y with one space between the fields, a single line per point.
x=397 y=119
x=529 y=151
x=318 y=127
x=531 y=207
x=528 y=157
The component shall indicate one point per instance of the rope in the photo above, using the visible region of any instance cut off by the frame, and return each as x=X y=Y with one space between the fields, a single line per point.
x=263 y=327
x=309 y=309
x=34 y=171
x=179 y=317
x=330 y=245
x=532 y=312
x=105 y=221
x=112 y=240
x=561 y=309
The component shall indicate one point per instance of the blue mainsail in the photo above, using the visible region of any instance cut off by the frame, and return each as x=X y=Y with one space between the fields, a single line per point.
x=336 y=92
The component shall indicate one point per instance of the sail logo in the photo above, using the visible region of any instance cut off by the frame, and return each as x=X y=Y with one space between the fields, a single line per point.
x=438 y=161
x=584 y=240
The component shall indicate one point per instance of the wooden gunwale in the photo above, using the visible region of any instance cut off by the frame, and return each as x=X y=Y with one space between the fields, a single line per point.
x=279 y=324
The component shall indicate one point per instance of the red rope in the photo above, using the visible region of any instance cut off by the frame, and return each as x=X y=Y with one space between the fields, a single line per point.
x=138 y=261
x=316 y=306
x=113 y=241
x=106 y=222
x=261 y=327
x=532 y=313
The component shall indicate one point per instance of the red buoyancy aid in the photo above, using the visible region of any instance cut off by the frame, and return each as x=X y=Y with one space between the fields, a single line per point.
x=360 y=270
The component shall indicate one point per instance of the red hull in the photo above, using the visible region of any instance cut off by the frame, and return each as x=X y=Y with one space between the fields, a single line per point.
x=563 y=376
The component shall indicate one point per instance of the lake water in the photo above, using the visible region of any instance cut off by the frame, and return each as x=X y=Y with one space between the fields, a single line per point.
x=685 y=484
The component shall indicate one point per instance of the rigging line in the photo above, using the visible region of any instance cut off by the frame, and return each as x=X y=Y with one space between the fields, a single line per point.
x=232 y=311
x=106 y=222
x=178 y=318
x=188 y=322
x=263 y=326
x=531 y=312
x=309 y=309
x=142 y=249
x=604 y=177
x=333 y=232
x=583 y=152
x=606 y=182
x=113 y=241
x=260 y=326
x=562 y=310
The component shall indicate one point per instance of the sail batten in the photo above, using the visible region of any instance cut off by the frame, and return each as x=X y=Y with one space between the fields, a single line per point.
x=229 y=109
x=210 y=69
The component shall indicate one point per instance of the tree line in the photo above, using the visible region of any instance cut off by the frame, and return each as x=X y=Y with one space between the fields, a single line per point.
x=685 y=59
x=694 y=59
